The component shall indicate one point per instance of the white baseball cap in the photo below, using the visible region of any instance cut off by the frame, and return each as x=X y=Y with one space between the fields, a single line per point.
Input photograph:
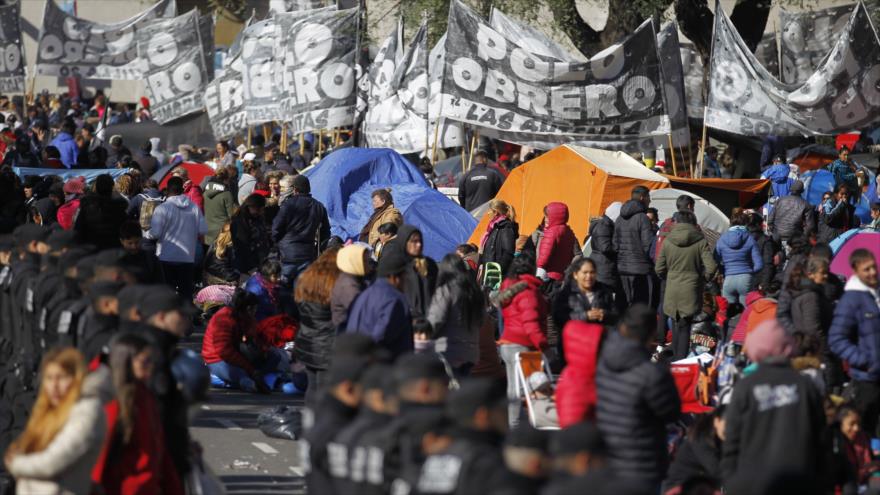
x=249 y=157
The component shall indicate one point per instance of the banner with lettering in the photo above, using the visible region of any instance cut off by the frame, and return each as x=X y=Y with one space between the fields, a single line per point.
x=12 y=61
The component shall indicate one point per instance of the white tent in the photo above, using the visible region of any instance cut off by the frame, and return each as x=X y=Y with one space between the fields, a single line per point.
x=708 y=215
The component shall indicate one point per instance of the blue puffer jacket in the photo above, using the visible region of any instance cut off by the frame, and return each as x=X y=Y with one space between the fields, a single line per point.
x=855 y=331
x=739 y=252
x=67 y=147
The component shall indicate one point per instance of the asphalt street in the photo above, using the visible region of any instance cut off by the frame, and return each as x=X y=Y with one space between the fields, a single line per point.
x=243 y=458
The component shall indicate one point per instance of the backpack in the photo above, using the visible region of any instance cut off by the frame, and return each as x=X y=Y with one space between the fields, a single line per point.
x=148 y=206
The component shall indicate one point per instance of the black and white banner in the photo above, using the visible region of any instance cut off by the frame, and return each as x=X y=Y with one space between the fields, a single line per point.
x=450 y=134
x=673 y=83
x=841 y=95
x=694 y=74
x=528 y=38
x=71 y=46
x=318 y=79
x=807 y=37
x=175 y=65
x=12 y=60
x=614 y=101
x=261 y=72
x=375 y=88
x=224 y=102
x=281 y=6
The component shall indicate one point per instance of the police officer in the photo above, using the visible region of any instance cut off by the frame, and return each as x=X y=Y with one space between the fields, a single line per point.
x=526 y=459
x=347 y=463
x=422 y=386
x=579 y=462
x=480 y=184
x=335 y=409
x=473 y=461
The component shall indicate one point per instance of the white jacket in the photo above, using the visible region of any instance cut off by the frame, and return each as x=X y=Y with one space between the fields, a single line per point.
x=65 y=466
x=176 y=225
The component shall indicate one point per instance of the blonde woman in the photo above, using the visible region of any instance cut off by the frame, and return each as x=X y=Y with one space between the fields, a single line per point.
x=64 y=435
x=498 y=243
x=220 y=260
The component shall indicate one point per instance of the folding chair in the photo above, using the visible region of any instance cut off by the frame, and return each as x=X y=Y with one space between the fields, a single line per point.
x=526 y=364
x=492 y=276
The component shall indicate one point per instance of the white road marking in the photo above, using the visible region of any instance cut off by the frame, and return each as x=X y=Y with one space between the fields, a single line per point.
x=229 y=424
x=206 y=407
x=265 y=447
x=297 y=471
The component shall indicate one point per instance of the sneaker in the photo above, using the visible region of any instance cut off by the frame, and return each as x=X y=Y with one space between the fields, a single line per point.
x=247 y=384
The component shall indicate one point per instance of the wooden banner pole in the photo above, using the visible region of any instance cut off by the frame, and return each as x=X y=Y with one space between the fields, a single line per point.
x=672 y=152
x=436 y=138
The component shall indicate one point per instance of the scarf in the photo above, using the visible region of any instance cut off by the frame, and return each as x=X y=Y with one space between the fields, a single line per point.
x=492 y=223
x=365 y=232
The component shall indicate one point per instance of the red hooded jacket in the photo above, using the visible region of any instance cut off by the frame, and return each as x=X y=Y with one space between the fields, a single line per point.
x=67 y=214
x=576 y=392
x=194 y=193
x=222 y=339
x=525 y=317
x=556 y=248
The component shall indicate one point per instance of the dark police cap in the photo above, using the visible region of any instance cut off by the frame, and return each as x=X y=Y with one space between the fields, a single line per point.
x=353 y=345
x=473 y=395
x=28 y=233
x=528 y=437
x=577 y=438
x=60 y=239
x=130 y=297
x=110 y=258
x=376 y=377
x=350 y=369
x=412 y=367
x=103 y=288
x=161 y=298
x=7 y=242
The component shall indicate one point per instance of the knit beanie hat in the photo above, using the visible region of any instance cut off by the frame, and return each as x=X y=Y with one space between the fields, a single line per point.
x=75 y=185
x=768 y=340
x=350 y=260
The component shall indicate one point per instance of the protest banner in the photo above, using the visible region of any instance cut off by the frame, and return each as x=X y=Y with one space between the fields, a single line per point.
x=807 y=37
x=12 y=62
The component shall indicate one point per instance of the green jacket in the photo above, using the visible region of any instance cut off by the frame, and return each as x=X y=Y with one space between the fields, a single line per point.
x=219 y=207
x=686 y=263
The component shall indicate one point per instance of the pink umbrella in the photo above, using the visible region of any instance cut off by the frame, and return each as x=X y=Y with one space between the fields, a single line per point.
x=844 y=246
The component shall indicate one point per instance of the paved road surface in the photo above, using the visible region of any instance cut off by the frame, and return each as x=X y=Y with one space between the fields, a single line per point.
x=246 y=461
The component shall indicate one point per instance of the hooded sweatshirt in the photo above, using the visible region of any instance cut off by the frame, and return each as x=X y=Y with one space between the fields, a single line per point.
x=219 y=207
x=557 y=246
x=739 y=252
x=686 y=262
x=176 y=226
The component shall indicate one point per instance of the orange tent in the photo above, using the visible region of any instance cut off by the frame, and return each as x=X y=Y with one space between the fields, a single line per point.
x=585 y=179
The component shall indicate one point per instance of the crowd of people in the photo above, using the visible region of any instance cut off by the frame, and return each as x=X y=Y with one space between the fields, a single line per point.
x=413 y=369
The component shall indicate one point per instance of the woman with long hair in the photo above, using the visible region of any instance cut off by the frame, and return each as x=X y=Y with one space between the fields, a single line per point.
x=65 y=432
x=136 y=440
x=220 y=260
x=456 y=314
x=498 y=244
x=383 y=212
x=250 y=234
x=583 y=298
x=420 y=277
x=316 y=334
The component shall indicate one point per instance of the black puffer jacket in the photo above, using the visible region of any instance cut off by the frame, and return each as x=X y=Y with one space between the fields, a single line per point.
x=768 y=249
x=316 y=335
x=633 y=236
x=791 y=216
x=635 y=400
x=501 y=245
x=221 y=268
x=808 y=310
x=99 y=220
x=301 y=222
x=603 y=253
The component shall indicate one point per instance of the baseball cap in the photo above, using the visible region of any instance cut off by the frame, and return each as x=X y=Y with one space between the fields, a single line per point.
x=580 y=437
x=473 y=395
x=392 y=263
x=30 y=232
x=528 y=437
x=249 y=157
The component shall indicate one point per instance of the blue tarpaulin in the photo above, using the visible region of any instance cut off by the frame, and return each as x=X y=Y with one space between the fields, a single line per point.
x=345 y=179
x=89 y=173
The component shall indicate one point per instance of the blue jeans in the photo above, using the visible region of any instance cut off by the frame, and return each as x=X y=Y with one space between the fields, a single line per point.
x=736 y=287
x=289 y=272
x=276 y=361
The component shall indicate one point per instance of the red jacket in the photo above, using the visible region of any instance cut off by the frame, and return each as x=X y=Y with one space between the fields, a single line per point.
x=222 y=338
x=194 y=193
x=525 y=317
x=67 y=214
x=576 y=392
x=143 y=466
x=742 y=326
x=556 y=248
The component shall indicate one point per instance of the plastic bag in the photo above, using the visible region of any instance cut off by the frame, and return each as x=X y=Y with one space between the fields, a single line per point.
x=282 y=422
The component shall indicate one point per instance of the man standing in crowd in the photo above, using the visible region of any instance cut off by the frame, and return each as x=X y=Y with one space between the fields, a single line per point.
x=301 y=228
x=480 y=184
x=633 y=237
x=176 y=226
x=792 y=216
x=854 y=336
x=636 y=398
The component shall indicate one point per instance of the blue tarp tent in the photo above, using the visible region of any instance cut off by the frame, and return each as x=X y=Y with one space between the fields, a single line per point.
x=344 y=180
x=89 y=173
x=817 y=182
